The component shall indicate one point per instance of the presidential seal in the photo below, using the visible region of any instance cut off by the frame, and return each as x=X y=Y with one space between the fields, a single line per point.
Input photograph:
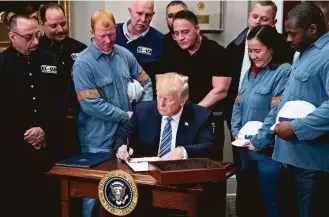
x=118 y=193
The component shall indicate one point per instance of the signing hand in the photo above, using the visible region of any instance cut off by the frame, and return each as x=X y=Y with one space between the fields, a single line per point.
x=284 y=131
x=123 y=154
x=176 y=154
x=36 y=137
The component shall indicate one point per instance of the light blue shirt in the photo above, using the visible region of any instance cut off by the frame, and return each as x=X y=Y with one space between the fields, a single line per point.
x=309 y=81
x=257 y=99
x=101 y=84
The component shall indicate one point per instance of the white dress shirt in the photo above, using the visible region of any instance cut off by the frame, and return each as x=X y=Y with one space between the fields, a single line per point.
x=246 y=62
x=174 y=127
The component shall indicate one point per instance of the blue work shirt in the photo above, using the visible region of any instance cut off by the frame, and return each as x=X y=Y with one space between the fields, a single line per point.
x=309 y=81
x=101 y=85
x=258 y=97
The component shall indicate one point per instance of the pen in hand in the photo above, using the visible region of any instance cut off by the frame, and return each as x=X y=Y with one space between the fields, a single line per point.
x=128 y=158
x=129 y=150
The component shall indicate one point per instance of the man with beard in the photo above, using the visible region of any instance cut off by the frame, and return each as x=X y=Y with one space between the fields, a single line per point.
x=57 y=41
x=32 y=116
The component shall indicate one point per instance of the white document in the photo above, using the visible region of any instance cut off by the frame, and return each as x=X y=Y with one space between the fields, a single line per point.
x=141 y=164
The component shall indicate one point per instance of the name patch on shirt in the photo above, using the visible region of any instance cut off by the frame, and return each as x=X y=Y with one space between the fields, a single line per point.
x=144 y=50
x=48 y=69
x=74 y=56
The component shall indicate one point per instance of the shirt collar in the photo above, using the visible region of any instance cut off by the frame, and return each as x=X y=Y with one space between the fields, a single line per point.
x=175 y=117
x=97 y=53
x=128 y=35
x=52 y=43
x=322 y=41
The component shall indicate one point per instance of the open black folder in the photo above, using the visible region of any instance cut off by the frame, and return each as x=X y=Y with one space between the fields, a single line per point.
x=85 y=160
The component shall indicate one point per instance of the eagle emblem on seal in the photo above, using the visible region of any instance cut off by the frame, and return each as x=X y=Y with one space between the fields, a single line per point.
x=118 y=191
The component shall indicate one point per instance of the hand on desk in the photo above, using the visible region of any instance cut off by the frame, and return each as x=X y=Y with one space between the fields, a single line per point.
x=36 y=137
x=123 y=154
x=176 y=154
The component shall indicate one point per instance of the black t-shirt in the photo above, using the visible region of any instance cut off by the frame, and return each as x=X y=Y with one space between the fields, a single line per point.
x=207 y=62
x=169 y=44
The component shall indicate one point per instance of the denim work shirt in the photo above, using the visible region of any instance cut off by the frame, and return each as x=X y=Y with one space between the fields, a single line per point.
x=101 y=85
x=309 y=81
x=258 y=97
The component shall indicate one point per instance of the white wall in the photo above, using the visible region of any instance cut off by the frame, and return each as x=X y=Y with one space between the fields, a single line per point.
x=81 y=12
x=279 y=15
x=235 y=17
x=235 y=20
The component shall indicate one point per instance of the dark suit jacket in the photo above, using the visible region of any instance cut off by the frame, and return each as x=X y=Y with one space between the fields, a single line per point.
x=235 y=53
x=143 y=130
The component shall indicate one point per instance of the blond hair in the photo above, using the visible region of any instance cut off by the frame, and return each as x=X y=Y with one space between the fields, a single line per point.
x=173 y=83
x=103 y=16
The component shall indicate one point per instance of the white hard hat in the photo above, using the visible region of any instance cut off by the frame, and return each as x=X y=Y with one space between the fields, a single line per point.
x=135 y=90
x=247 y=132
x=292 y=110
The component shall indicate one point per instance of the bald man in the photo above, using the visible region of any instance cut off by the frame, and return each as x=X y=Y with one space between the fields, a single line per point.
x=144 y=41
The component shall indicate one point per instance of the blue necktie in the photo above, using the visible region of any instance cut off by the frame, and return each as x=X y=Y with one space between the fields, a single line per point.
x=165 y=144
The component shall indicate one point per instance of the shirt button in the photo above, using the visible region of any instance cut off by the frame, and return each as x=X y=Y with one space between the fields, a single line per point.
x=30 y=74
x=35 y=122
x=63 y=63
x=35 y=110
x=32 y=86
x=28 y=63
x=33 y=98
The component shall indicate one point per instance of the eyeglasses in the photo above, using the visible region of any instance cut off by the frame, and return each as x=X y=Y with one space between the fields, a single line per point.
x=29 y=37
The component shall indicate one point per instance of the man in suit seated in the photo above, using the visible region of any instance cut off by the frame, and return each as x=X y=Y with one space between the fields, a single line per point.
x=170 y=127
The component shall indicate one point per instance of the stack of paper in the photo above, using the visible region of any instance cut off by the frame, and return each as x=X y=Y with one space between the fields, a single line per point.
x=141 y=164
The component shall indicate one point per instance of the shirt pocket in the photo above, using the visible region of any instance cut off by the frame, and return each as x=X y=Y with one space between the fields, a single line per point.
x=261 y=100
x=106 y=88
x=126 y=77
x=299 y=83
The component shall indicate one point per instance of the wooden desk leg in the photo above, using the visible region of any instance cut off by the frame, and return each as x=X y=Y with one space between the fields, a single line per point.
x=65 y=198
x=101 y=210
x=192 y=210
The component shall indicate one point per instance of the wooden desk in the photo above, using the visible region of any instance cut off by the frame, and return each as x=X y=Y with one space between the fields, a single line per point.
x=206 y=199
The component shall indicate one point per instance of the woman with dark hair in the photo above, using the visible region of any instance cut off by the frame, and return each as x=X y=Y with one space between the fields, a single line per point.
x=258 y=97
